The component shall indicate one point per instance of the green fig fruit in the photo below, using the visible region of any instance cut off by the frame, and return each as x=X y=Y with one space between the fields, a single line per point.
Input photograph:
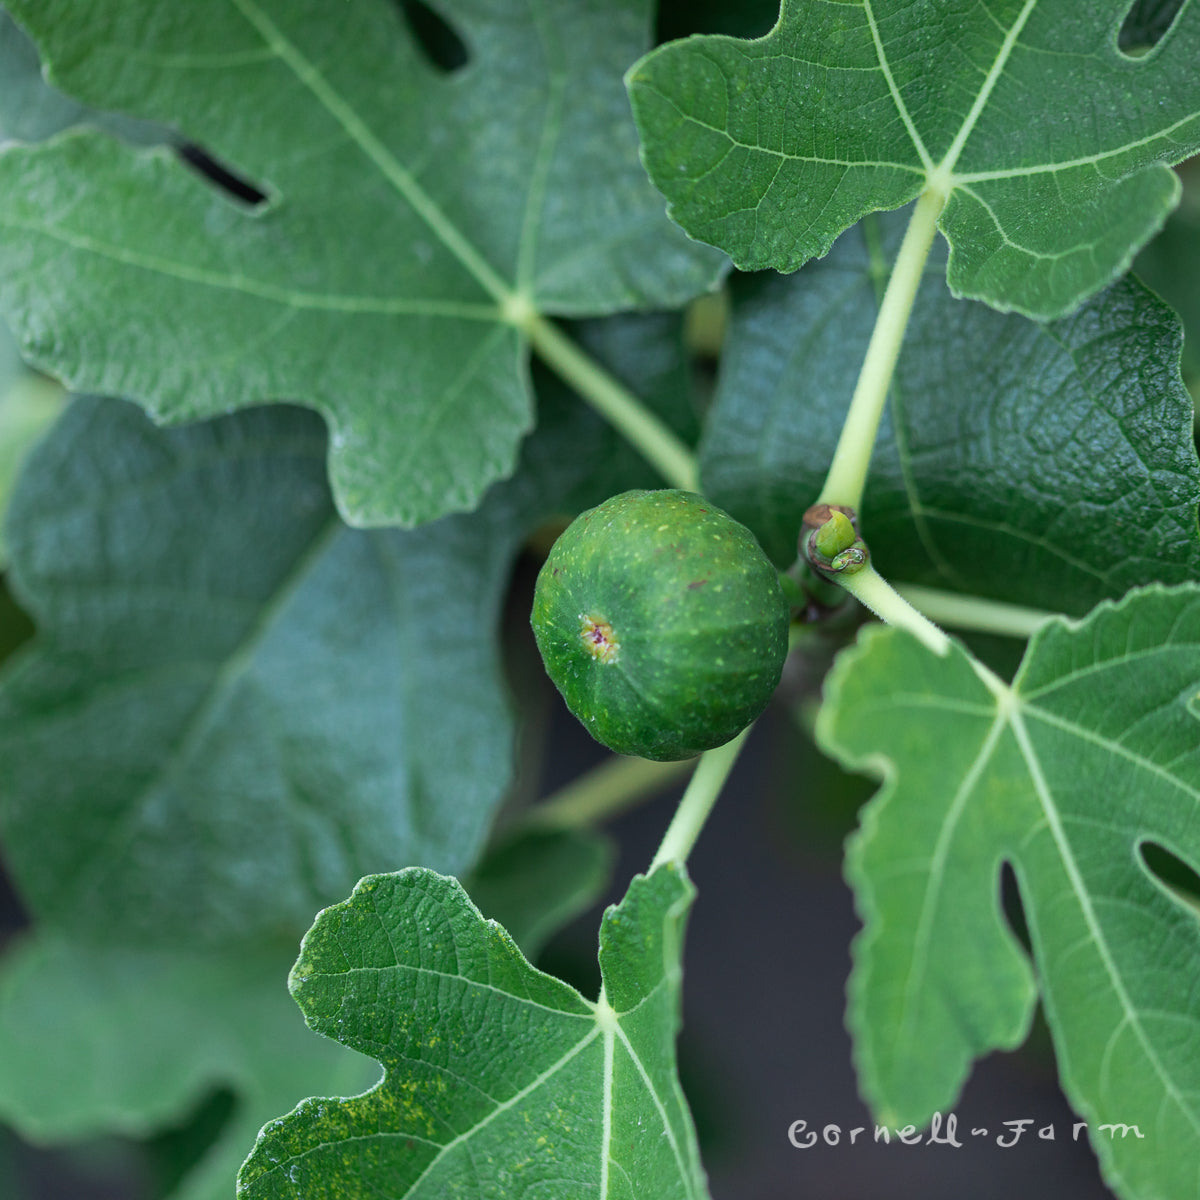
x=662 y=623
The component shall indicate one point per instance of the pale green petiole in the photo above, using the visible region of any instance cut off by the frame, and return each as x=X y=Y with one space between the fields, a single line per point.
x=870 y=588
x=848 y=471
x=974 y=613
x=624 y=411
x=614 y=786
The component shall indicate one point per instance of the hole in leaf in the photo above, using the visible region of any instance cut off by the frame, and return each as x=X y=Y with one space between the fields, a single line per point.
x=232 y=184
x=1146 y=24
x=1177 y=876
x=443 y=47
x=1014 y=910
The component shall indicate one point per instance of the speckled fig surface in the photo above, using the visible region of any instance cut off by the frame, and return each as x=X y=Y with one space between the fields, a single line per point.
x=661 y=622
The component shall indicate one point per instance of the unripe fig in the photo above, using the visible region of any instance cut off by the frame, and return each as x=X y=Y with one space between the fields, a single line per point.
x=662 y=623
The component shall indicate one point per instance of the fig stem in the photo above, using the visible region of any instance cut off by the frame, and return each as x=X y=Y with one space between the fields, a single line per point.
x=649 y=435
x=614 y=786
x=848 y=471
x=975 y=613
x=698 y=799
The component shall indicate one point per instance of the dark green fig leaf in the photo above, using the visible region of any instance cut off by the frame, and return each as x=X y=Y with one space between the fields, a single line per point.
x=232 y=694
x=662 y=622
x=101 y=1040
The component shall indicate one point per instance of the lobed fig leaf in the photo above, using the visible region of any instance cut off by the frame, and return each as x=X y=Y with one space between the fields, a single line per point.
x=1048 y=143
x=412 y=222
x=662 y=623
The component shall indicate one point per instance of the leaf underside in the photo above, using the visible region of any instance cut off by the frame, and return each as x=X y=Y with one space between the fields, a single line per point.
x=500 y=1080
x=405 y=208
x=238 y=705
x=1093 y=753
x=1050 y=144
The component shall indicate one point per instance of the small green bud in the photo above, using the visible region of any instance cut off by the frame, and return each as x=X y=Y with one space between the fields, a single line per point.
x=836 y=535
x=851 y=560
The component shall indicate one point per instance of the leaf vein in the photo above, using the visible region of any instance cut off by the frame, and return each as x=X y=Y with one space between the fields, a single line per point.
x=292 y=297
x=984 y=94
x=388 y=165
x=660 y=1108
x=224 y=681
x=1112 y=747
x=1082 y=898
x=921 y=935
x=466 y=979
x=1071 y=163
x=897 y=98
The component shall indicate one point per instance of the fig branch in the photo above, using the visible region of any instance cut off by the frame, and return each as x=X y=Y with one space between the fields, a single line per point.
x=830 y=542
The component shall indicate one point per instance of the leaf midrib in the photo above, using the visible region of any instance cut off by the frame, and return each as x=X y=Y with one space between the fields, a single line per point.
x=611 y=1033
x=995 y=71
x=384 y=969
x=929 y=900
x=897 y=99
x=659 y=1107
x=539 y=178
x=943 y=175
